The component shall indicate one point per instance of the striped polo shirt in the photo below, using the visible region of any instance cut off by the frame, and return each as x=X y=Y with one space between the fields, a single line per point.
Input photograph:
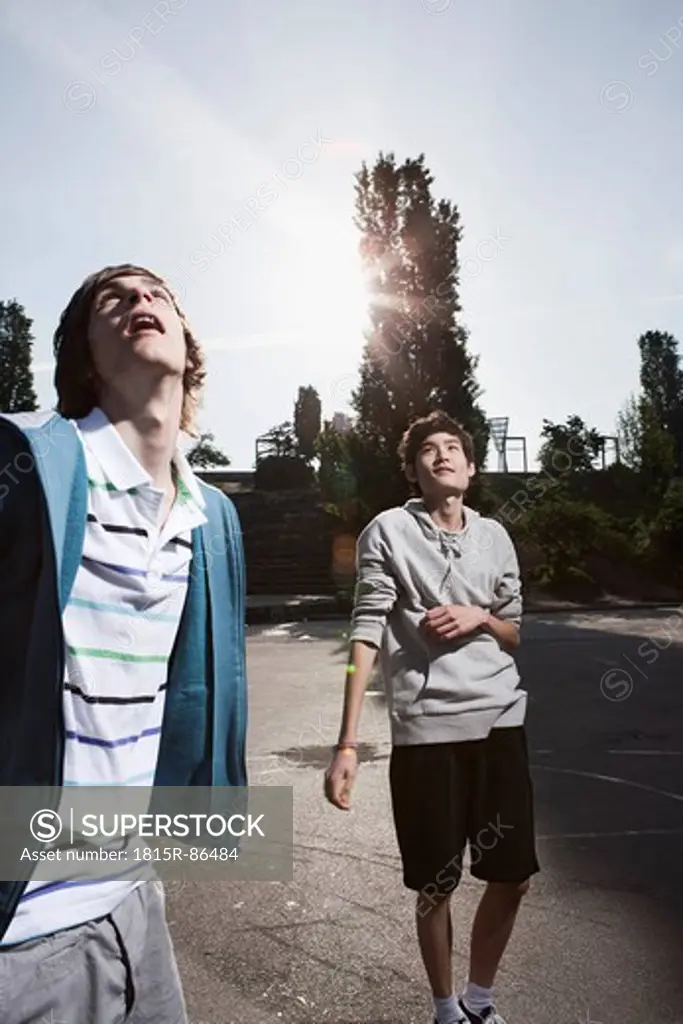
x=120 y=626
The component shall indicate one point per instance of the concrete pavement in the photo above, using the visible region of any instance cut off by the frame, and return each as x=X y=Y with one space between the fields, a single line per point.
x=600 y=935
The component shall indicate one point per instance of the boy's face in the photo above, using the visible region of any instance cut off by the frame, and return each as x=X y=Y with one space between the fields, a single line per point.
x=134 y=327
x=441 y=467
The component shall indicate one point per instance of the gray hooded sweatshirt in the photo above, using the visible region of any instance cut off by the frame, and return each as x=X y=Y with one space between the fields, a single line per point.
x=438 y=691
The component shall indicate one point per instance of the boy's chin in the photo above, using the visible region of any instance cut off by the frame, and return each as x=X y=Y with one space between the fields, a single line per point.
x=154 y=358
x=440 y=492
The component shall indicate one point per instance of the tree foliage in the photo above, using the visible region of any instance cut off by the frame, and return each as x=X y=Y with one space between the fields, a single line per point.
x=280 y=441
x=416 y=355
x=17 y=393
x=337 y=480
x=335 y=473
x=566 y=532
x=307 y=420
x=661 y=381
x=569 y=447
x=206 y=454
x=644 y=444
x=283 y=473
x=665 y=534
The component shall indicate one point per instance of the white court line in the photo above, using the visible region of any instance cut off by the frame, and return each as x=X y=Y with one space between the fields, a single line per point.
x=610 y=778
x=617 y=835
x=653 y=753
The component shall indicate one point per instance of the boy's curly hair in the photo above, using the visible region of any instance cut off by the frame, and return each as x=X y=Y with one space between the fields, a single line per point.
x=75 y=378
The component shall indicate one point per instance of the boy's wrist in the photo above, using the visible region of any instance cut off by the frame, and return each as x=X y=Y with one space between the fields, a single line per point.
x=346 y=744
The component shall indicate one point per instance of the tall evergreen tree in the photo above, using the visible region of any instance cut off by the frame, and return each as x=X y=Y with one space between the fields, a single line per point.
x=645 y=446
x=307 y=421
x=416 y=357
x=335 y=473
x=661 y=381
x=17 y=393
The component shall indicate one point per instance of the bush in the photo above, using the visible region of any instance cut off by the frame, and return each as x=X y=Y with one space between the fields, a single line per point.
x=662 y=537
x=283 y=473
x=615 y=488
x=566 y=534
x=482 y=497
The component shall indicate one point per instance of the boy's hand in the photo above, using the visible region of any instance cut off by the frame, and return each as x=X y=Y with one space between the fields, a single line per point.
x=447 y=622
x=340 y=777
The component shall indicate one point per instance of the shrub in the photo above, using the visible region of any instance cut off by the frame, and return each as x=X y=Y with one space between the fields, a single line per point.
x=283 y=473
x=565 y=534
x=662 y=537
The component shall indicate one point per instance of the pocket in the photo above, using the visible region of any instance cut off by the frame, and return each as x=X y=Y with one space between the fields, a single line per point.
x=36 y=977
x=473 y=672
x=55 y=955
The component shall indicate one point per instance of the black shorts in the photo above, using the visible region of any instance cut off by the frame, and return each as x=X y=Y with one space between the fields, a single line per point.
x=446 y=796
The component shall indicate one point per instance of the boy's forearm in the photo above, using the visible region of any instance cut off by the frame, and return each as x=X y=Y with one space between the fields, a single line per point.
x=506 y=633
x=362 y=657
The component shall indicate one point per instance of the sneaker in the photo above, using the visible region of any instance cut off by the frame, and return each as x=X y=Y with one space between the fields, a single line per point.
x=464 y=1019
x=488 y=1016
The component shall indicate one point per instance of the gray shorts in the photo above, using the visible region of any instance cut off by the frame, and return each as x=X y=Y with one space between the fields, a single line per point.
x=119 y=969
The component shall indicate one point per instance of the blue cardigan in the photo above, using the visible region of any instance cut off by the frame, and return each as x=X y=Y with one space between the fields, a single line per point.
x=43 y=509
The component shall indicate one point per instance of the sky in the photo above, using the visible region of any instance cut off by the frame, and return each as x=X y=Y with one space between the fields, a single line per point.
x=217 y=144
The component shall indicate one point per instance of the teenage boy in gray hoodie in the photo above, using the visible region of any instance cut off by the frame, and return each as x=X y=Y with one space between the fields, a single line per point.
x=438 y=595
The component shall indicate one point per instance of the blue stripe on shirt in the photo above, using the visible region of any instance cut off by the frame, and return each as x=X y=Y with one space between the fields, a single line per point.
x=50 y=887
x=96 y=741
x=126 y=570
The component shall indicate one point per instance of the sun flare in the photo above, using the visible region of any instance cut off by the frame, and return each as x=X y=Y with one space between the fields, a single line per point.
x=323 y=292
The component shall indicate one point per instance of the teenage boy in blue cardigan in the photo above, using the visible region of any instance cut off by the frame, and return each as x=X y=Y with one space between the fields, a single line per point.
x=122 y=601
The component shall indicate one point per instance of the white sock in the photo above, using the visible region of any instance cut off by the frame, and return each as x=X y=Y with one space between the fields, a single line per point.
x=477 y=998
x=446 y=1010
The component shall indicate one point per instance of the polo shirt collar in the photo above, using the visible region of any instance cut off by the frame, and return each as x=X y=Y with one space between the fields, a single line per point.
x=188 y=485
x=120 y=466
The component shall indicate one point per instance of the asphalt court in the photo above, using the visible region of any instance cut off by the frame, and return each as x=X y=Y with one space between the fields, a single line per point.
x=600 y=935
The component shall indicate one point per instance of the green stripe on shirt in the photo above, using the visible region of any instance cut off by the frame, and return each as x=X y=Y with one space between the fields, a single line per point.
x=99 y=652
x=183 y=492
x=107 y=485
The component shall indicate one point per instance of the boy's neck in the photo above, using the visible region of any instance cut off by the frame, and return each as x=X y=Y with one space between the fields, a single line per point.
x=447 y=512
x=150 y=431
